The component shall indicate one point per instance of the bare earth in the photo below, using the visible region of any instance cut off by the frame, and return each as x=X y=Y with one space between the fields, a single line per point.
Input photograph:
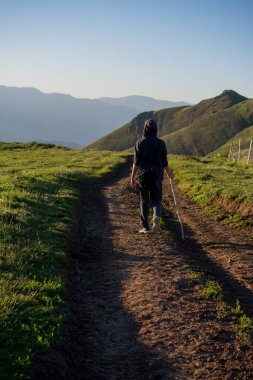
x=135 y=312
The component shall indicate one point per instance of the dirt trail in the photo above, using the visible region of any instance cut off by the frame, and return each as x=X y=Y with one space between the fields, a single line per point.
x=133 y=314
x=224 y=251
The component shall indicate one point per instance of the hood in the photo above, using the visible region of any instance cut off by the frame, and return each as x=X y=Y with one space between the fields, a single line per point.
x=150 y=128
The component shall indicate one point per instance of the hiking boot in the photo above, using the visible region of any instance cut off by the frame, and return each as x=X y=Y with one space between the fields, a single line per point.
x=144 y=231
x=156 y=224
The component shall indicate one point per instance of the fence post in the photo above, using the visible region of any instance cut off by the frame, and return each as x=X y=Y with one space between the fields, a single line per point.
x=239 y=151
x=230 y=152
x=250 y=146
x=232 y=155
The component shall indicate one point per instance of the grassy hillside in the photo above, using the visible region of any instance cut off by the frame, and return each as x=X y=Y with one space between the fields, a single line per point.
x=246 y=135
x=37 y=200
x=207 y=134
x=123 y=137
x=246 y=109
x=28 y=145
x=218 y=186
x=189 y=130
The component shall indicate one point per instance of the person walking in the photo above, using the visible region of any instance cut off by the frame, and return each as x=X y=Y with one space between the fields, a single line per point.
x=150 y=161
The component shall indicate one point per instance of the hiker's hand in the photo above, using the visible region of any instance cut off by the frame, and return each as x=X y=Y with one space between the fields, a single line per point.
x=133 y=182
x=170 y=173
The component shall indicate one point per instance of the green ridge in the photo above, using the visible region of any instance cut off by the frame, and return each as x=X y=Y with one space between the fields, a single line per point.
x=189 y=130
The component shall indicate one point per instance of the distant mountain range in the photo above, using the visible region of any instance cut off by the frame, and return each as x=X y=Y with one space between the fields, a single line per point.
x=27 y=114
x=142 y=103
x=189 y=130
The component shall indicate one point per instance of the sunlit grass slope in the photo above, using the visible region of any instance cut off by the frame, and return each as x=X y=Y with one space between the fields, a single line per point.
x=205 y=135
x=191 y=130
x=217 y=186
x=38 y=193
x=245 y=136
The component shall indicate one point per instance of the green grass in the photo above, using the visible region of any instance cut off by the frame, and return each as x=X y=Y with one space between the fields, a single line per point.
x=217 y=186
x=194 y=276
x=244 y=324
x=213 y=290
x=245 y=327
x=236 y=311
x=28 y=145
x=38 y=194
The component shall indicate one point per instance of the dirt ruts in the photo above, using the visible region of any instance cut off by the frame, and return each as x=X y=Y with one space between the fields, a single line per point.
x=227 y=253
x=135 y=310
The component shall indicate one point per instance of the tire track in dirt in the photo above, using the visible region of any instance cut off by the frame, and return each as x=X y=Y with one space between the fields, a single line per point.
x=133 y=314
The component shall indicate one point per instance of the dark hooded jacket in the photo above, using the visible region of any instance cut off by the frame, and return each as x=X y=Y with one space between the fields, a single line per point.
x=150 y=152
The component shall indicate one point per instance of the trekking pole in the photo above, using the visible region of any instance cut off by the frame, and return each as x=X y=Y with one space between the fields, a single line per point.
x=177 y=211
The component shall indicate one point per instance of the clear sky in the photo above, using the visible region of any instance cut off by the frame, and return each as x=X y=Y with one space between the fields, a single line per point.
x=168 y=49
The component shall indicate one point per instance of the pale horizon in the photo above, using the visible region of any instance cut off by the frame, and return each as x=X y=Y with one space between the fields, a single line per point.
x=115 y=97
x=81 y=97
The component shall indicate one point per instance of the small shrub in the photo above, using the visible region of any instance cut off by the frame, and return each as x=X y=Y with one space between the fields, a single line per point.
x=162 y=224
x=213 y=290
x=237 y=310
x=245 y=327
x=194 y=276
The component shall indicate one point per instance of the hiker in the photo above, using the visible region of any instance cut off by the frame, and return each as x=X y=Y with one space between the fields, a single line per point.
x=150 y=161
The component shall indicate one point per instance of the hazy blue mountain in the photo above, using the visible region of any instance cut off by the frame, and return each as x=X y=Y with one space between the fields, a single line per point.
x=27 y=114
x=142 y=103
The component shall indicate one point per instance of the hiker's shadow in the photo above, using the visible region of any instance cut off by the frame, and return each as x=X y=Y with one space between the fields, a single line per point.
x=124 y=257
x=238 y=246
x=198 y=258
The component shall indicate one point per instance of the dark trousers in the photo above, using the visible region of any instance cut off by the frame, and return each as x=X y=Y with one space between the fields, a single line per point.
x=150 y=192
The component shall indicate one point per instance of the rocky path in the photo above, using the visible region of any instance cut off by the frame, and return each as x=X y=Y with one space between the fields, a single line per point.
x=136 y=308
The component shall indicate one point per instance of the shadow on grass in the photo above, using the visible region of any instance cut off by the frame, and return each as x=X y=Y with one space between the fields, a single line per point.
x=198 y=258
